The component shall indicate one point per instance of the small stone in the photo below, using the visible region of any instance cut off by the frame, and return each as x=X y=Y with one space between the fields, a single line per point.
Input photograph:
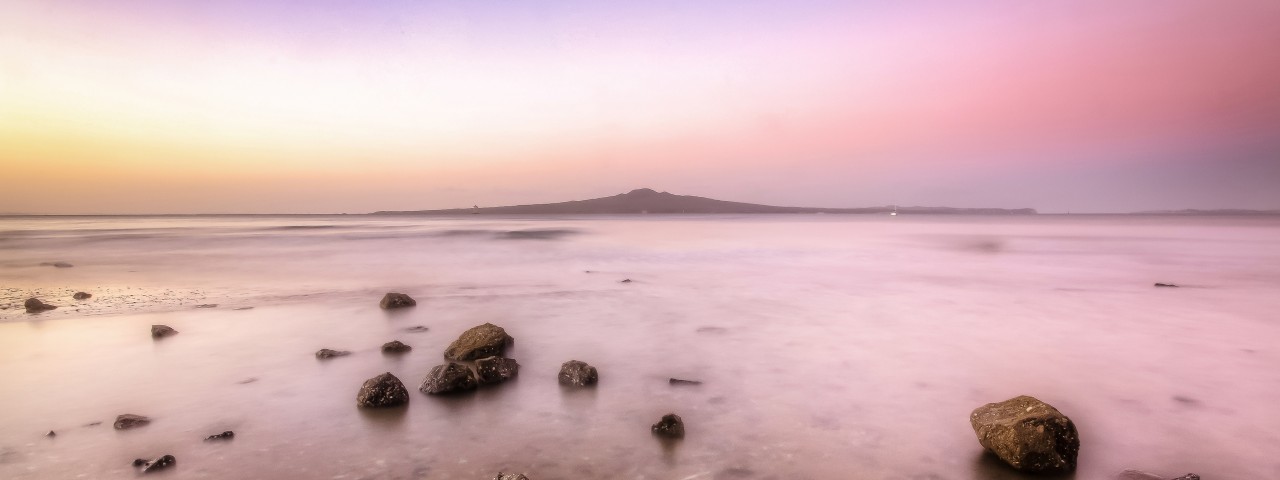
x=34 y=305
x=382 y=391
x=82 y=295
x=448 y=378
x=1028 y=434
x=161 y=331
x=207 y=305
x=395 y=346
x=677 y=381
x=1166 y=285
x=129 y=420
x=496 y=369
x=416 y=329
x=227 y=435
x=325 y=353
x=627 y=280
x=396 y=300
x=1139 y=475
x=510 y=476
x=51 y=434
x=578 y=374
x=155 y=465
x=57 y=264
x=671 y=426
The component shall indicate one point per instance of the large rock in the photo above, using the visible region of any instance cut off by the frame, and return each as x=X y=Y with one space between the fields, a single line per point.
x=227 y=435
x=395 y=346
x=34 y=305
x=1138 y=475
x=510 y=476
x=82 y=295
x=449 y=378
x=325 y=353
x=1028 y=434
x=496 y=369
x=129 y=420
x=161 y=331
x=578 y=374
x=671 y=426
x=396 y=300
x=478 y=342
x=382 y=391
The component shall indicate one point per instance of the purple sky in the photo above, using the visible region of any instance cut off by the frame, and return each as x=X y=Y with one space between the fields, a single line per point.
x=262 y=106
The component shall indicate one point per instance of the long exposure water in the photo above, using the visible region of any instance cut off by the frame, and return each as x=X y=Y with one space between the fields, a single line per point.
x=828 y=346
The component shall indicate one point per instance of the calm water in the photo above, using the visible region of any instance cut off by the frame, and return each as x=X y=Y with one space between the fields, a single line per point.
x=840 y=347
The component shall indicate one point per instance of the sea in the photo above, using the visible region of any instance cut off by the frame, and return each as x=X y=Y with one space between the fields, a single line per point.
x=828 y=346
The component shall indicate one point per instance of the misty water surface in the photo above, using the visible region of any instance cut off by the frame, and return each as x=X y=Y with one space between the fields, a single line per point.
x=829 y=346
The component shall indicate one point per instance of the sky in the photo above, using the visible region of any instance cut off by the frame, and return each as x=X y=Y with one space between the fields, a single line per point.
x=323 y=106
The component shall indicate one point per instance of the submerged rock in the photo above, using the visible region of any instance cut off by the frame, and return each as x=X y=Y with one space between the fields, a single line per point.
x=227 y=435
x=56 y=264
x=396 y=300
x=1138 y=475
x=161 y=331
x=325 y=353
x=382 y=391
x=82 y=295
x=51 y=434
x=129 y=420
x=34 y=305
x=207 y=305
x=625 y=280
x=1028 y=434
x=449 y=378
x=677 y=381
x=157 y=464
x=481 y=341
x=496 y=369
x=395 y=346
x=671 y=426
x=510 y=476
x=1166 y=285
x=416 y=329
x=578 y=374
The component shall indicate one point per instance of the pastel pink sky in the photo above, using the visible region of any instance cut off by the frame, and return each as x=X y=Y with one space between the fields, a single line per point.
x=321 y=106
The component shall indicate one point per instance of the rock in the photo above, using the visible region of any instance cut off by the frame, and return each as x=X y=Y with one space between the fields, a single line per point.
x=51 y=434
x=677 y=381
x=57 y=264
x=625 y=280
x=227 y=435
x=93 y=424
x=578 y=374
x=129 y=420
x=1166 y=285
x=161 y=331
x=416 y=329
x=395 y=346
x=671 y=426
x=207 y=305
x=712 y=330
x=382 y=391
x=325 y=353
x=396 y=300
x=496 y=369
x=1137 y=475
x=155 y=465
x=82 y=295
x=1028 y=434
x=511 y=476
x=34 y=305
x=449 y=378
x=481 y=341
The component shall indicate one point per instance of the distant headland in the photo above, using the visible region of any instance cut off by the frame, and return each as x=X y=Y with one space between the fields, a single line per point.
x=644 y=200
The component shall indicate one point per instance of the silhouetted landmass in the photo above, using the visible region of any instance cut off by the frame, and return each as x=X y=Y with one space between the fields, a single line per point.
x=1223 y=211
x=645 y=200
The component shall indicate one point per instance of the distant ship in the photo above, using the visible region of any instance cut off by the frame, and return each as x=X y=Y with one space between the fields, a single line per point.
x=894 y=213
